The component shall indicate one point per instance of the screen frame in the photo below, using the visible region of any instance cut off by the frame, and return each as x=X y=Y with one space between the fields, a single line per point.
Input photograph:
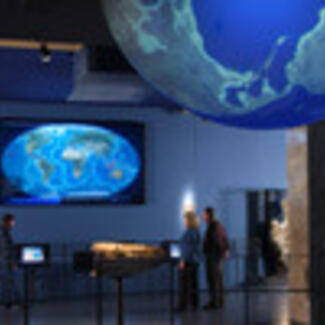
x=168 y=247
x=104 y=123
x=177 y=246
x=46 y=248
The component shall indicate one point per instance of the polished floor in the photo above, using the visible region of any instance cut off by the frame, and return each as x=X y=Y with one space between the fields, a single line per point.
x=264 y=309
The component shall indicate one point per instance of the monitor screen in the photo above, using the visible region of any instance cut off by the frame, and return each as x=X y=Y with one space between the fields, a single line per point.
x=57 y=163
x=175 y=251
x=33 y=255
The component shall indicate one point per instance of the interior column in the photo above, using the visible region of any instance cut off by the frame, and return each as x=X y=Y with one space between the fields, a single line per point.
x=316 y=153
x=297 y=215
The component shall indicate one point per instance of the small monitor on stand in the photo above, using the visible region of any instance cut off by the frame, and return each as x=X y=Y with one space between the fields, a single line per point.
x=33 y=255
x=175 y=252
x=30 y=256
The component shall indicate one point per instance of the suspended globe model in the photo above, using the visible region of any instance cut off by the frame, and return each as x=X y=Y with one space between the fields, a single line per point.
x=252 y=63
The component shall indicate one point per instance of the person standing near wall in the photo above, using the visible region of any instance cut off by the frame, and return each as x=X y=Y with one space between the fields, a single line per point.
x=9 y=290
x=189 y=265
x=216 y=249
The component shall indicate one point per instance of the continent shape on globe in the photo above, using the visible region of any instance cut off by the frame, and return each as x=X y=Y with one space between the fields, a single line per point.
x=70 y=160
x=247 y=63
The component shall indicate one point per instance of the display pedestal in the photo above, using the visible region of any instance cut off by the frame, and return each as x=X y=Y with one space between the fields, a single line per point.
x=119 y=300
x=100 y=298
x=119 y=280
x=26 y=296
x=172 y=267
x=119 y=304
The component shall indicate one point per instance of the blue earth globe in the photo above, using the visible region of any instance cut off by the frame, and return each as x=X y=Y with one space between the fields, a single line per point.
x=67 y=161
x=252 y=63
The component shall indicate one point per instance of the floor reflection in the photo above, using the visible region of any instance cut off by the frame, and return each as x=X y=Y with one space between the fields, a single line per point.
x=271 y=309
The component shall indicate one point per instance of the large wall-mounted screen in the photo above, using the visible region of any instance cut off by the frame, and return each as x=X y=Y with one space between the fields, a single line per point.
x=53 y=163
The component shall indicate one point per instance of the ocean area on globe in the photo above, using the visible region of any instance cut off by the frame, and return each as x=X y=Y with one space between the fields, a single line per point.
x=59 y=163
x=252 y=64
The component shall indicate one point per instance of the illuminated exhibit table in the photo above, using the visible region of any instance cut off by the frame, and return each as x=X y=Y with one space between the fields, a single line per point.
x=123 y=260
x=119 y=261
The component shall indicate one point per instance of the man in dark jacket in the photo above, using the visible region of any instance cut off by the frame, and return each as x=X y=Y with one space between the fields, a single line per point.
x=8 y=262
x=216 y=249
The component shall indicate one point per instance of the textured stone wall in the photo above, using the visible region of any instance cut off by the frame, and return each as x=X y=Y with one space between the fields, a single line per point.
x=298 y=223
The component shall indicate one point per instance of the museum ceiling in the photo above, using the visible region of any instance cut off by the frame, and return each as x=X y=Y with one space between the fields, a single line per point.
x=55 y=20
x=64 y=25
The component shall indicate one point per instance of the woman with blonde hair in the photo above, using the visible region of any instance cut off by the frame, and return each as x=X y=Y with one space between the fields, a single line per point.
x=190 y=260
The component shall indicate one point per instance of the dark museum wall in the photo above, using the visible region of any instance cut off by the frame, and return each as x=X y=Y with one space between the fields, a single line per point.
x=186 y=158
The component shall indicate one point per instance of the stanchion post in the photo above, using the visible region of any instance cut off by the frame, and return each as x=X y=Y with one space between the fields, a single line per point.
x=237 y=257
x=247 y=299
x=171 y=293
x=26 y=296
x=120 y=311
x=99 y=278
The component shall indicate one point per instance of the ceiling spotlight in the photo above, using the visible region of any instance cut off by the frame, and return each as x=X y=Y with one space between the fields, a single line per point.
x=46 y=55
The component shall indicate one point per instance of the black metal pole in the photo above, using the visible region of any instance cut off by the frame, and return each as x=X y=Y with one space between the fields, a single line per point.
x=171 y=294
x=247 y=301
x=100 y=313
x=120 y=311
x=26 y=296
x=237 y=257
